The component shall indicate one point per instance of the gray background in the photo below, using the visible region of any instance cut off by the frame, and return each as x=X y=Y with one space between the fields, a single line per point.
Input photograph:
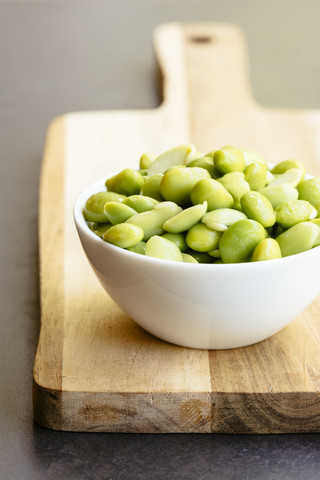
x=57 y=57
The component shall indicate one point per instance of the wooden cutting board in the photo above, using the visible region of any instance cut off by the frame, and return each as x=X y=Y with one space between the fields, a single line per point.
x=95 y=369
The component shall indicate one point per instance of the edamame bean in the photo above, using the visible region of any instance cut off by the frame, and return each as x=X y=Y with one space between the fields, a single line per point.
x=222 y=218
x=206 y=163
x=179 y=155
x=316 y=221
x=268 y=249
x=213 y=193
x=188 y=258
x=140 y=203
x=236 y=185
x=310 y=190
x=285 y=165
x=278 y=194
x=293 y=176
x=118 y=212
x=202 y=238
x=126 y=182
x=200 y=257
x=94 y=208
x=124 y=235
x=145 y=161
x=152 y=221
x=293 y=212
x=257 y=207
x=178 y=239
x=299 y=238
x=252 y=157
x=177 y=183
x=229 y=159
x=139 y=247
x=234 y=251
x=256 y=175
x=185 y=219
x=151 y=187
x=160 y=247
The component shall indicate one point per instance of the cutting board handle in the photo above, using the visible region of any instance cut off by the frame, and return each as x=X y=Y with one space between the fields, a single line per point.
x=203 y=64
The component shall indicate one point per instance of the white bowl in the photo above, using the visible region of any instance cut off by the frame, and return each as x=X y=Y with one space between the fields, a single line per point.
x=202 y=305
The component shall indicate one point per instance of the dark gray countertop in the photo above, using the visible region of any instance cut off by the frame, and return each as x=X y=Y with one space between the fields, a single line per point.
x=57 y=57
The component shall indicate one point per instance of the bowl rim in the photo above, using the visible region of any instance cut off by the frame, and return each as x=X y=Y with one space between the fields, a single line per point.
x=81 y=225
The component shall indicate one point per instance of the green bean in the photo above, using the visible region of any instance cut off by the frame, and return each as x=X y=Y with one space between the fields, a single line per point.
x=146 y=160
x=177 y=183
x=222 y=218
x=178 y=239
x=236 y=185
x=118 y=212
x=188 y=258
x=285 y=165
x=257 y=207
x=152 y=221
x=140 y=203
x=251 y=234
x=179 y=155
x=202 y=239
x=160 y=247
x=139 y=247
x=278 y=194
x=229 y=159
x=124 y=235
x=213 y=192
x=185 y=219
x=299 y=238
x=267 y=249
x=151 y=187
x=94 y=208
x=310 y=190
x=293 y=212
x=126 y=182
x=256 y=175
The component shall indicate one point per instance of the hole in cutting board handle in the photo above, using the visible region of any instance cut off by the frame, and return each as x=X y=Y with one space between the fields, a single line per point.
x=202 y=39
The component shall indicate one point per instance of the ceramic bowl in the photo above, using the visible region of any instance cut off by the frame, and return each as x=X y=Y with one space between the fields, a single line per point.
x=204 y=306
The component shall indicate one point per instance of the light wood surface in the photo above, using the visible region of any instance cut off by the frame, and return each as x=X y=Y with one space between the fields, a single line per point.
x=95 y=369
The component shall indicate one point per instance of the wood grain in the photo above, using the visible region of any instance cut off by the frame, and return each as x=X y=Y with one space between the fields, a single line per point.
x=95 y=369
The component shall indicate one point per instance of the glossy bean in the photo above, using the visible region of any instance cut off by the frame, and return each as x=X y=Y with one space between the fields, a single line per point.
x=256 y=175
x=222 y=218
x=152 y=221
x=293 y=212
x=185 y=219
x=160 y=247
x=127 y=182
x=178 y=239
x=257 y=207
x=151 y=187
x=179 y=155
x=124 y=235
x=310 y=190
x=267 y=249
x=278 y=194
x=229 y=159
x=213 y=192
x=140 y=203
x=202 y=238
x=299 y=238
x=236 y=185
x=234 y=250
x=177 y=183
x=118 y=212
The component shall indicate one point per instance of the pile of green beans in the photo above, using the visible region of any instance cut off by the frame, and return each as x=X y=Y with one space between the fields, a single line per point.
x=225 y=206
